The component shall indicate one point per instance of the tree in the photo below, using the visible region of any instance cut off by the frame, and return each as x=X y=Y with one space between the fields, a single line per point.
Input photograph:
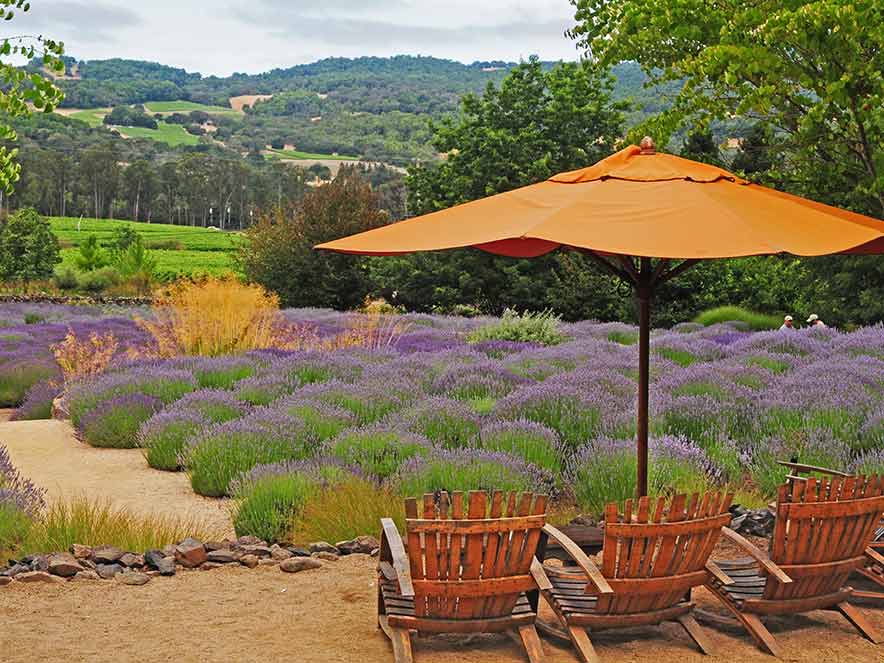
x=700 y=146
x=29 y=250
x=809 y=68
x=90 y=255
x=23 y=89
x=755 y=157
x=278 y=251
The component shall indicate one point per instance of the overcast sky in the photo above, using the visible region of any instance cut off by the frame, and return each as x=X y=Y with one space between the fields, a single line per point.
x=223 y=36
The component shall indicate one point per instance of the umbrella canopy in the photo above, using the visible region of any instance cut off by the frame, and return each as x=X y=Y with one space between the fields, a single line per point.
x=645 y=217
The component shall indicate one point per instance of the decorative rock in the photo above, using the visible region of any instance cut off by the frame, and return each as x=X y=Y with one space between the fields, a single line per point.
x=38 y=576
x=755 y=522
x=169 y=551
x=279 y=553
x=327 y=556
x=152 y=573
x=249 y=561
x=322 y=546
x=296 y=564
x=64 y=565
x=256 y=549
x=298 y=551
x=86 y=574
x=267 y=561
x=14 y=570
x=361 y=544
x=106 y=554
x=208 y=566
x=190 y=553
x=5 y=580
x=251 y=541
x=131 y=560
x=217 y=545
x=87 y=564
x=40 y=563
x=133 y=578
x=221 y=556
x=108 y=571
x=166 y=566
x=153 y=557
x=81 y=552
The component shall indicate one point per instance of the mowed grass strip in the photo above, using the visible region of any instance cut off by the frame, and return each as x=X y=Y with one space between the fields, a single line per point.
x=182 y=106
x=171 y=134
x=297 y=154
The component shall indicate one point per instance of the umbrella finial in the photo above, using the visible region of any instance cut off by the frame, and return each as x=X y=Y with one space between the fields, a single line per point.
x=648 y=146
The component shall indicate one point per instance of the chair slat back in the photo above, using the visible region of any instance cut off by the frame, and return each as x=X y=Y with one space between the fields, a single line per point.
x=821 y=529
x=653 y=556
x=470 y=556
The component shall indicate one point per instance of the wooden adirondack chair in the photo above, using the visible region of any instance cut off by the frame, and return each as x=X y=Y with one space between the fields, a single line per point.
x=651 y=560
x=463 y=568
x=821 y=535
x=873 y=568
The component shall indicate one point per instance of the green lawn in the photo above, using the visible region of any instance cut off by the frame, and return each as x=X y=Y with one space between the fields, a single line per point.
x=172 y=134
x=94 y=117
x=182 y=106
x=295 y=154
x=182 y=249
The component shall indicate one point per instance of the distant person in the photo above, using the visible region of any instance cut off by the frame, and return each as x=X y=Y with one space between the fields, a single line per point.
x=814 y=321
x=787 y=324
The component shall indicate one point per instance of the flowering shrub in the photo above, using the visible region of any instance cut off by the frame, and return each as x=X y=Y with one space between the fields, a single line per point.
x=470 y=469
x=116 y=422
x=19 y=375
x=164 y=435
x=446 y=422
x=265 y=505
x=378 y=451
x=215 y=405
x=20 y=502
x=321 y=420
x=542 y=328
x=38 y=401
x=84 y=358
x=532 y=442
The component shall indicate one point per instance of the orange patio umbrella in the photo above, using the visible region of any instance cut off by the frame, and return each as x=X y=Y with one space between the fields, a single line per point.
x=645 y=217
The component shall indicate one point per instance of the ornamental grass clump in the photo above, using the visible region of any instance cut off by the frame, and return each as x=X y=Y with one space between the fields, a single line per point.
x=378 y=451
x=605 y=471
x=115 y=423
x=217 y=456
x=532 y=442
x=754 y=321
x=445 y=422
x=165 y=434
x=470 y=469
x=542 y=327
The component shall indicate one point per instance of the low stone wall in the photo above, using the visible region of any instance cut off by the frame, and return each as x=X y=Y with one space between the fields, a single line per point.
x=84 y=563
x=76 y=300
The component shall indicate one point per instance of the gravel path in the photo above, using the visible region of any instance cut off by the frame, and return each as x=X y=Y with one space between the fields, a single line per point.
x=48 y=453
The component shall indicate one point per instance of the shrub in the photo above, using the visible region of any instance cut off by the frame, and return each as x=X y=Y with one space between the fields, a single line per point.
x=346 y=510
x=810 y=447
x=378 y=451
x=16 y=491
x=100 y=280
x=469 y=469
x=66 y=279
x=80 y=358
x=265 y=505
x=115 y=424
x=369 y=402
x=605 y=471
x=14 y=527
x=623 y=337
x=90 y=256
x=215 y=405
x=446 y=422
x=29 y=250
x=542 y=327
x=216 y=457
x=37 y=403
x=92 y=523
x=164 y=435
x=222 y=373
x=213 y=317
x=262 y=390
x=18 y=376
x=755 y=321
x=532 y=442
x=321 y=420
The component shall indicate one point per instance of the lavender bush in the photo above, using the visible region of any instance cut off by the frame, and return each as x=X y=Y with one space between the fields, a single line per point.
x=445 y=422
x=164 y=435
x=115 y=422
x=378 y=451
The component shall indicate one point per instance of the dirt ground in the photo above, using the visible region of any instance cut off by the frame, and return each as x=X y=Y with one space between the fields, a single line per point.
x=328 y=615
x=48 y=453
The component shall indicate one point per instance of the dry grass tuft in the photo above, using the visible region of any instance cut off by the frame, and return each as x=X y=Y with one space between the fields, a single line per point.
x=84 y=358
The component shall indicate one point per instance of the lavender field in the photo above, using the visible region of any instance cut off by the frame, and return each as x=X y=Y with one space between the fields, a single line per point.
x=432 y=410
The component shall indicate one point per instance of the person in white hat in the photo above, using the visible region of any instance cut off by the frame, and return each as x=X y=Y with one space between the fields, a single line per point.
x=787 y=324
x=814 y=321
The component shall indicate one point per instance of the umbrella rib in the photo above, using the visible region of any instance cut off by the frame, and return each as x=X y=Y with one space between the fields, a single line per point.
x=680 y=268
x=609 y=266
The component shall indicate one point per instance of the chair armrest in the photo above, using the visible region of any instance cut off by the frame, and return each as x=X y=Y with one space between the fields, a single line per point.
x=540 y=577
x=874 y=556
x=585 y=563
x=398 y=558
x=766 y=563
x=716 y=572
x=807 y=469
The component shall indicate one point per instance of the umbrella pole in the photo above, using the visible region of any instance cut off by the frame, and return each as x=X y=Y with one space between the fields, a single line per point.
x=643 y=293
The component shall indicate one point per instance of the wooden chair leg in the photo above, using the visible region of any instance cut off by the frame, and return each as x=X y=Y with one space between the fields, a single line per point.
x=583 y=645
x=697 y=634
x=760 y=634
x=531 y=642
x=859 y=621
x=400 y=639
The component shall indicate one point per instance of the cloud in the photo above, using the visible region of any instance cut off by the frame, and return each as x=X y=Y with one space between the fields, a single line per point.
x=86 y=20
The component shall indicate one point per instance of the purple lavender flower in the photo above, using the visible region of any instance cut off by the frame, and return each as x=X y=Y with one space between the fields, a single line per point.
x=16 y=491
x=448 y=423
x=115 y=422
x=38 y=401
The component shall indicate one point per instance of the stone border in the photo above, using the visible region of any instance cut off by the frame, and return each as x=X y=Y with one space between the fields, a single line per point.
x=76 y=300
x=109 y=563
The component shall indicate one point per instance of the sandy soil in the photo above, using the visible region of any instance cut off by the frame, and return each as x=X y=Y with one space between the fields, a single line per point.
x=240 y=102
x=327 y=615
x=48 y=453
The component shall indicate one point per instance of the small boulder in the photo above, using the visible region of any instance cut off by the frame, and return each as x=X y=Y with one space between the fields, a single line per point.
x=108 y=571
x=153 y=557
x=106 y=554
x=361 y=544
x=166 y=566
x=190 y=553
x=38 y=576
x=169 y=551
x=267 y=561
x=249 y=561
x=221 y=556
x=322 y=546
x=217 y=545
x=80 y=551
x=251 y=540
x=132 y=560
x=14 y=570
x=86 y=574
x=279 y=553
x=297 y=551
x=208 y=566
x=64 y=565
x=134 y=578
x=40 y=563
x=256 y=549
x=327 y=556
x=5 y=580
x=296 y=564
